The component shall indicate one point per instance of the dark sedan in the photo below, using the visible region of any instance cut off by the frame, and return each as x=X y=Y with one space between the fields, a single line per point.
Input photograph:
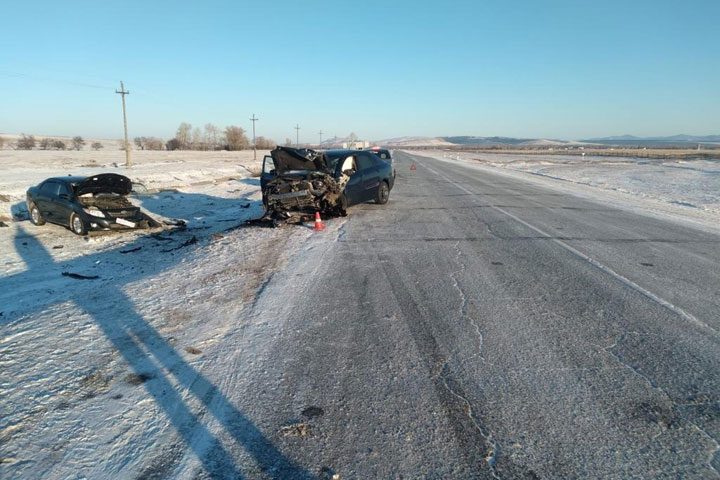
x=82 y=204
x=298 y=182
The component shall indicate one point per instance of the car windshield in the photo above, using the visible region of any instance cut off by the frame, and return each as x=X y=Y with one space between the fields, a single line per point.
x=332 y=159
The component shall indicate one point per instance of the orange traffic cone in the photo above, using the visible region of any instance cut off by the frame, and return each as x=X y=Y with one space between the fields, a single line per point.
x=412 y=167
x=318 y=222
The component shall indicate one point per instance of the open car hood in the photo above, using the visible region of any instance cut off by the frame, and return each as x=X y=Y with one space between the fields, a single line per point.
x=287 y=159
x=104 y=183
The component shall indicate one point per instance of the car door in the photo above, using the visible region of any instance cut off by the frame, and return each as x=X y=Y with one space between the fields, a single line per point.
x=353 y=188
x=45 y=201
x=64 y=204
x=368 y=167
x=268 y=172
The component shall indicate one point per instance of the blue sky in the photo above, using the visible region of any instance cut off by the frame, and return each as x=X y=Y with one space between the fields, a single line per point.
x=552 y=69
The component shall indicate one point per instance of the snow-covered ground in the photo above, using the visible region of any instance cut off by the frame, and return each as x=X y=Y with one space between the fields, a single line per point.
x=111 y=376
x=685 y=189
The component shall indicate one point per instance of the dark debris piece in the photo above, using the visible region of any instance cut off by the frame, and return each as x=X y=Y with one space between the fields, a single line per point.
x=77 y=276
x=131 y=250
x=187 y=243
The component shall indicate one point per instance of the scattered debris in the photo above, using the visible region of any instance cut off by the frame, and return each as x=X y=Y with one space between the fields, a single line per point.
x=216 y=236
x=187 y=243
x=77 y=276
x=3 y=224
x=312 y=412
x=158 y=236
x=247 y=205
x=131 y=250
x=139 y=379
x=193 y=350
x=295 y=430
x=58 y=247
x=175 y=221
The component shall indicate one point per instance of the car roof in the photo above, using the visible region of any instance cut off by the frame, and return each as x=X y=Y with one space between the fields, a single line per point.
x=68 y=179
x=341 y=151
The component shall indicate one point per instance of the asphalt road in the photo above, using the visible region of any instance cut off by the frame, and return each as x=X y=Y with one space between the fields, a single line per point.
x=483 y=327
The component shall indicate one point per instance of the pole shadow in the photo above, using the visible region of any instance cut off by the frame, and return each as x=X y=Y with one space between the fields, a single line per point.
x=148 y=353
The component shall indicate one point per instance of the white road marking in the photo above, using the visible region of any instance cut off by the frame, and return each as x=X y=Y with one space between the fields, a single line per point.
x=647 y=293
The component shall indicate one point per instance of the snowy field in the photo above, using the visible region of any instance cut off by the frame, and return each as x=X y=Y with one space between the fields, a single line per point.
x=685 y=189
x=102 y=374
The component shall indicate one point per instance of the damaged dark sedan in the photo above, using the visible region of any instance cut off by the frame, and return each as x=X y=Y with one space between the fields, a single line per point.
x=296 y=183
x=83 y=204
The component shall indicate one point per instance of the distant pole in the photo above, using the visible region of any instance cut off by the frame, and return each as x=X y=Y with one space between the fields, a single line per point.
x=253 y=119
x=297 y=135
x=320 y=133
x=122 y=93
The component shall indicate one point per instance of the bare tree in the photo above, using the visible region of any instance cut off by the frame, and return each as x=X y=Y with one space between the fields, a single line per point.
x=77 y=143
x=26 y=142
x=46 y=143
x=154 y=143
x=173 y=144
x=2 y=142
x=211 y=136
x=96 y=146
x=236 y=139
x=198 y=140
x=59 y=144
x=140 y=142
x=183 y=135
x=264 y=143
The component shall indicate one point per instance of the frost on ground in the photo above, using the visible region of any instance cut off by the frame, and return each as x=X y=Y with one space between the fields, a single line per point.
x=683 y=188
x=112 y=371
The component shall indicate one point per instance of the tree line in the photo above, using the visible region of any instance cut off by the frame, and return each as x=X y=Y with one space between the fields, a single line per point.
x=28 y=142
x=210 y=137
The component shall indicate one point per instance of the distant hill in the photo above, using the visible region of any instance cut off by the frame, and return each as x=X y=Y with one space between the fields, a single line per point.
x=629 y=139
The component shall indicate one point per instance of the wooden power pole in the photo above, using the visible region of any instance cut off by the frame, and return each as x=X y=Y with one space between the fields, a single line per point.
x=320 y=133
x=253 y=119
x=122 y=92
x=297 y=135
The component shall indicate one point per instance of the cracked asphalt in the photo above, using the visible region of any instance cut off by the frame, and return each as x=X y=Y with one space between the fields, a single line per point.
x=479 y=326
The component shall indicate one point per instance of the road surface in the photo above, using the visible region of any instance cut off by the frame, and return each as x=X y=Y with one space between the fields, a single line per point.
x=479 y=326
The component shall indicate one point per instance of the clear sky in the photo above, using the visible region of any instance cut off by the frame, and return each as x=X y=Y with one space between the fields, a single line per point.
x=381 y=69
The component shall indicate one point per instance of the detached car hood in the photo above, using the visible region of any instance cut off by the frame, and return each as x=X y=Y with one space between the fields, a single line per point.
x=104 y=183
x=288 y=159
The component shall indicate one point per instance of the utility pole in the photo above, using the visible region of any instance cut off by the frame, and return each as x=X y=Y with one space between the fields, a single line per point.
x=297 y=135
x=320 y=133
x=122 y=92
x=253 y=119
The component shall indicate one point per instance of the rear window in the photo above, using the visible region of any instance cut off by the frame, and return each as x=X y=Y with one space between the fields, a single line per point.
x=384 y=154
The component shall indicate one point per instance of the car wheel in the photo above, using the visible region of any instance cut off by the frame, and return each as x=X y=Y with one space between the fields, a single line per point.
x=77 y=225
x=35 y=216
x=383 y=193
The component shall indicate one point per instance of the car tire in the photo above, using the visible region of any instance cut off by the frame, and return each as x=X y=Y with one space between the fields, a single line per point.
x=77 y=225
x=383 y=193
x=36 y=217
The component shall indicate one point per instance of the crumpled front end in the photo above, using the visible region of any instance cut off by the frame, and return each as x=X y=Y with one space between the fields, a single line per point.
x=296 y=198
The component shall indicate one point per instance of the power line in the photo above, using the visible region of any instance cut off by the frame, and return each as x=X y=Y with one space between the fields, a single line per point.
x=51 y=79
